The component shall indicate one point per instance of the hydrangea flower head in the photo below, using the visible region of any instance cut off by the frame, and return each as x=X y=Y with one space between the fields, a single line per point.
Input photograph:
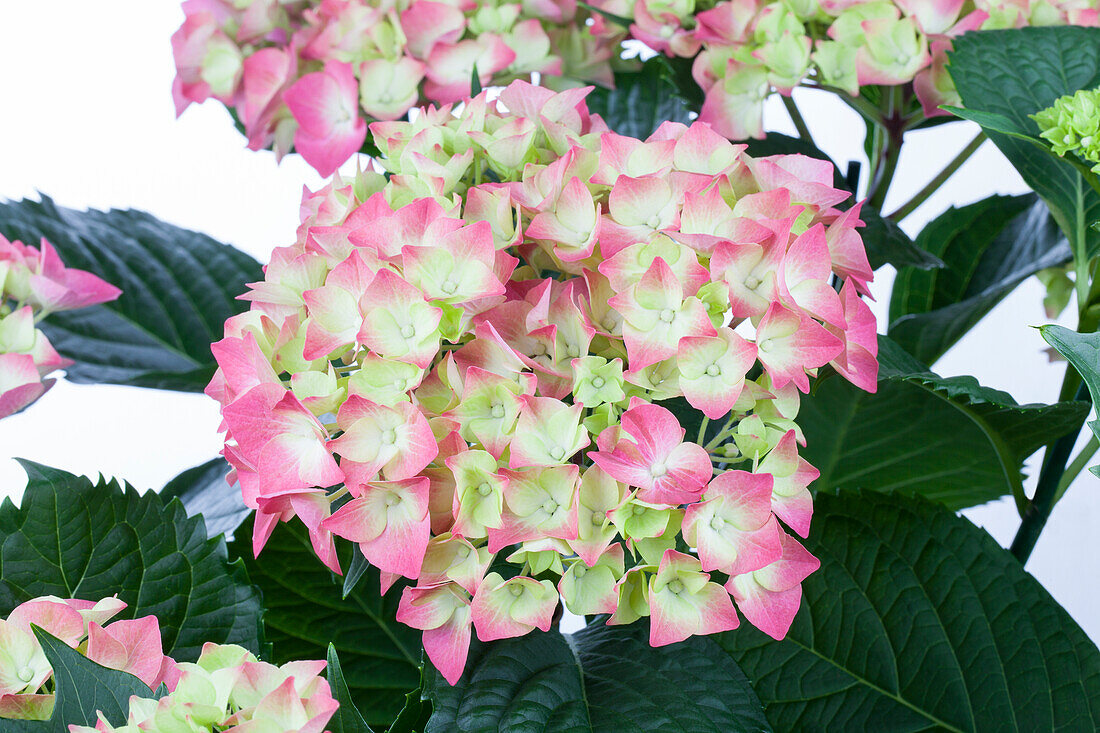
x=491 y=359
x=132 y=646
x=309 y=74
x=34 y=283
x=228 y=688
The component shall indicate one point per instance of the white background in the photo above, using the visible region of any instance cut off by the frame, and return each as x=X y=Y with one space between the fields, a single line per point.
x=86 y=117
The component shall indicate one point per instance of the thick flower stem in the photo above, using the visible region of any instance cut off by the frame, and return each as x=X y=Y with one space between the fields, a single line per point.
x=1054 y=466
x=949 y=170
x=797 y=119
x=887 y=146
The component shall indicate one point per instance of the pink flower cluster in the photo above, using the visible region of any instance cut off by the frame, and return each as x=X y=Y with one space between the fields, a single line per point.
x=25 y=674
x=468 y=366
x=744 y=49
x=229 y=689
x=225 y=689
x=33 y=284
x=311 y=72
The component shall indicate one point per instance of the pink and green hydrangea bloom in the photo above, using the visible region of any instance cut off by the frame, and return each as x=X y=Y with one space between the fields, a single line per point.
x=34 y=283
x=476 y=372
x=132 y=646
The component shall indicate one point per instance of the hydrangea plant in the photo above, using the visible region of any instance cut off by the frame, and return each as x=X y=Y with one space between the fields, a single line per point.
x=566 y=410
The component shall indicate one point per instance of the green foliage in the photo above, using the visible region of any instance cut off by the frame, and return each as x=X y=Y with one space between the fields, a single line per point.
x=917 y=620
x=1004 y=77
x=347 y=719
x=947 y=439
x=305 y=611
x=203 y=490
x=988 y=248
x=1083 y=352
x=602 y=678
x=641 y=100
x=178 y=288
x=884 y=240
x=75 y=539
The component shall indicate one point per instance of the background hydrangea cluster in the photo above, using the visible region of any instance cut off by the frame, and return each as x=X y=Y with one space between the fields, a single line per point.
x=272 y=61
x=227 y=686
x=744 y=49
x=34 y=283
x=470 y=366
x=312 y=73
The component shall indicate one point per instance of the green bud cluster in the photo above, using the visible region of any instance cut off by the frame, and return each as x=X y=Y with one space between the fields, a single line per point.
x=1072 y=125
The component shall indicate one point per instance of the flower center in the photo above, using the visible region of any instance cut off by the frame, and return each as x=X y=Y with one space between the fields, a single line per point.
x=676 y=586
x=389 y=437
x=557 y=453
x=714 y=370
x=597 y=382
x=654 y=222
x=580 y=570
x=765 y=345
x=516 y=589
x=639 y=510
x=667 y=315
x=498 y=410
x=752 y=282
x=597 y=518
x=26 y=674
x=550 y=506
x=485 y=489
x=657 y=470
x=716 y=523
x=393 y=500
x=408 y=331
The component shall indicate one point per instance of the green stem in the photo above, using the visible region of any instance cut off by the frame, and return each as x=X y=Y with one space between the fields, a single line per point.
x=1050 y=476
x=703 y=429
x=1074 y=469
x=727 y=430
x=888 y=141
x=949 y=170
x=797 y=119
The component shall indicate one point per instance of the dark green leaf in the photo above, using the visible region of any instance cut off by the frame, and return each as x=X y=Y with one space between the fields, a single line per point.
x=75 y=539
x=641 y=100
x=203 y=490
x=601 y=679
x=1005 y=76
x=84 y=688
x=347 y=718
x=305 y=612
x=532 y=683
x=988 y=248
x=1082 y=350
x=418 y=709
x=994 y=122
x=948 y=439
x=178 y=288
x=918 y=621
x=883 y=238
